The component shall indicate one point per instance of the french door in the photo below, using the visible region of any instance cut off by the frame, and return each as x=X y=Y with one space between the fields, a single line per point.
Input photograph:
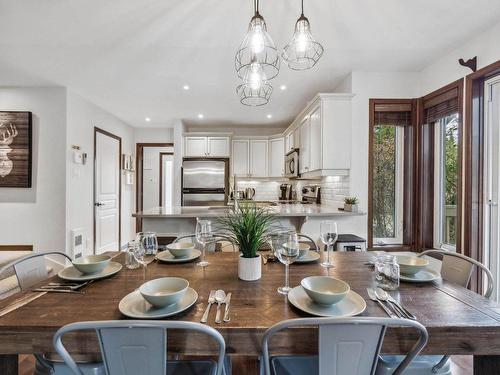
x=492 y=180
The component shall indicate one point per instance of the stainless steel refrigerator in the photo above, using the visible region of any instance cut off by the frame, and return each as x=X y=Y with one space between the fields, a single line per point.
x=205 y=182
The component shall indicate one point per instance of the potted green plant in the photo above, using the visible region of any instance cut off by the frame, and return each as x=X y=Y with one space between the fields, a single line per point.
x=249 y=227
x=351 y=204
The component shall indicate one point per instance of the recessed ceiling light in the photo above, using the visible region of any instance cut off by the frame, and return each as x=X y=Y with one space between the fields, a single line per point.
x=147 y=119
x=283 y=87
x=200 y=115
x=269 y=116
x=185 y=87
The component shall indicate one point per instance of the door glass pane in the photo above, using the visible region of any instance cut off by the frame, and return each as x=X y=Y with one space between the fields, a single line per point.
x=387 y=184
x=448 y=180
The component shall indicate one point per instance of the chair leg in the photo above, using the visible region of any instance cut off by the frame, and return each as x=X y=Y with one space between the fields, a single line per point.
x=440 y=364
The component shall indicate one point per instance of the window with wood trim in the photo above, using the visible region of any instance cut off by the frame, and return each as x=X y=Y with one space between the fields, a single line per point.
x=391 y=173
x=440 y=141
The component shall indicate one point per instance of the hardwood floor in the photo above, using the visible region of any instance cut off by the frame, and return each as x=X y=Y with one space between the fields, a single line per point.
x=461 y=365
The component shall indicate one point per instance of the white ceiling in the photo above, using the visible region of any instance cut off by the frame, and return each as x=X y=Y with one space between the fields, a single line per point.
x=132 y=57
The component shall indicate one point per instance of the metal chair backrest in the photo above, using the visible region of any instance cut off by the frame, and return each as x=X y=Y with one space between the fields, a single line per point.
x=314 y=246
x=349 y=346
x=132 y=347
x=218 y=238
x=31 y=269
x=457 y=268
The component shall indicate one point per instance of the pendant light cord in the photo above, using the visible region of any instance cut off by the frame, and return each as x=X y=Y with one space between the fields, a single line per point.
x=302 y=8
x=256 y=6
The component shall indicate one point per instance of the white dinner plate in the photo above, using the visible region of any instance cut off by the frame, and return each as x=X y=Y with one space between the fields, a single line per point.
x=135 y=306
x=167 y=257
x=353 y=304
x=424 y=276
x=311 y=256
x=72 y=274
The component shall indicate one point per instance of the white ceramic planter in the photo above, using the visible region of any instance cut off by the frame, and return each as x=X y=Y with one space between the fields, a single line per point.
x=250 y=269
x=350 y=207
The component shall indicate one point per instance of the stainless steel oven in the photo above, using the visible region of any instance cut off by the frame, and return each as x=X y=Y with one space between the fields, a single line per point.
x=292 y=164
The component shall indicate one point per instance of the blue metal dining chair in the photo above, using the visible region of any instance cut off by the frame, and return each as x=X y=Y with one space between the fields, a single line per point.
x=455 y=268
x=347 y=346
x=133 y=347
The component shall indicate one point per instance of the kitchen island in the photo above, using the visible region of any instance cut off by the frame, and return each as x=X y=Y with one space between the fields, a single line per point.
x=306 y=218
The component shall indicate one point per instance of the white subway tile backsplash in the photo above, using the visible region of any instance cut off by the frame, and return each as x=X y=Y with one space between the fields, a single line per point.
x=333 y=189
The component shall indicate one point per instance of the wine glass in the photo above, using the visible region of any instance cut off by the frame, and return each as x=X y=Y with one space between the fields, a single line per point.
x=204 y=236
x=146 y=249
x=287 y=251
x=329 y=235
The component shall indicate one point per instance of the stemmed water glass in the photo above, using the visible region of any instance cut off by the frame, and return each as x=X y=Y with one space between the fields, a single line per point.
x=329 y=235
x=146 y=248
x=204 y=235
x=287 y=251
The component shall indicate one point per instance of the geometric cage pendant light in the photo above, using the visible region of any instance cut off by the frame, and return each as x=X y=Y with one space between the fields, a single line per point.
x=302 y=52
x=257 y=46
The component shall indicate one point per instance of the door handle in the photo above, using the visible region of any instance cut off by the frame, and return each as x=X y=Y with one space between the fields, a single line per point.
x=98 y=204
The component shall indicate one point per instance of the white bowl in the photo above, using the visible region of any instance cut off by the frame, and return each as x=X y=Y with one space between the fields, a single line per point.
x=410 y=265
x=181 y=249
x=91 y=263
x=325 y=290
x=303 y=249
x=164 y=291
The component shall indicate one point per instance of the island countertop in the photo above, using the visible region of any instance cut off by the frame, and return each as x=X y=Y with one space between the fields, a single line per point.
x=280 y=210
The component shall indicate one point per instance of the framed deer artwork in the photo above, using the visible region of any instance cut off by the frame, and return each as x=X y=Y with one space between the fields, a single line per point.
x=15 y=149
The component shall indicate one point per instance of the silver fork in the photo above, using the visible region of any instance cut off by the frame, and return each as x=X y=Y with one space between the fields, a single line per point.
x=211 y=300
x=373 y=297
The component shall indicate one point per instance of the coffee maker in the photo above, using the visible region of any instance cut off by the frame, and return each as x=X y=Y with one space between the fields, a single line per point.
x=286 y=192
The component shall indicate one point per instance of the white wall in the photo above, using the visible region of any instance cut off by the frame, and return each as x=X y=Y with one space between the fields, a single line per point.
x=82 y=116
x=37 y=216
x=446 y=69
x=365 y=86
x=154 y=135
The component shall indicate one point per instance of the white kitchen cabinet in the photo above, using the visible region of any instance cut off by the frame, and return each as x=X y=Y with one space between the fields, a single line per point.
x=322 y=131
x=258 y=158
x=218 y=146
x=315 y=139
x=240 y=157
x=305 y=145
x=289 y=144
x=276 y=157
x=201 y=146
x=195 y=146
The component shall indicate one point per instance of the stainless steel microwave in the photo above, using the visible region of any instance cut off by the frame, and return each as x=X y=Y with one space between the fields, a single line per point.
x=292 y=164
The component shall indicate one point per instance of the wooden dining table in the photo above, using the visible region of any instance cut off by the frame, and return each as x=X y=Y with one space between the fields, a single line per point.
x=458 y=320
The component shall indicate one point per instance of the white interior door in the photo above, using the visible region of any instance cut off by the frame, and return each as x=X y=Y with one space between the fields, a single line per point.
x=492 y=180
x=167 y=176
x=107 y=193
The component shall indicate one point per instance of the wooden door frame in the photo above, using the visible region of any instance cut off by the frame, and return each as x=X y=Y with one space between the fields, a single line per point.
x=474 y=168
x=139 y=149
x=119 y=139
x=161 y=173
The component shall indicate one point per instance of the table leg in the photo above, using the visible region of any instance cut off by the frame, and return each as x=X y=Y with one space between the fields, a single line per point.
x=9 y=364
x=486 y=364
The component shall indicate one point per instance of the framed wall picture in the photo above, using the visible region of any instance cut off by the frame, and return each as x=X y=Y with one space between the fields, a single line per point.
x=15 y=149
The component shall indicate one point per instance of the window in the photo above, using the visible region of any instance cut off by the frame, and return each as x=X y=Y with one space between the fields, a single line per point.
x=391 y=173
x=446 y=177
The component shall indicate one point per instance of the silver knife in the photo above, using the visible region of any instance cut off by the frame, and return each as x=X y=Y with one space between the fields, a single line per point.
x=227 y=318
x=401 y=307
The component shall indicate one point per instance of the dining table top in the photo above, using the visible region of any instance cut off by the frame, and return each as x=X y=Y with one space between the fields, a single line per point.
x=458 y=320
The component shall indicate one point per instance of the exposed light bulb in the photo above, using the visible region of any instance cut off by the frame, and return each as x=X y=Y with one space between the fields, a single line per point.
x=257 y=40
x=256 y=76
x=301 y=42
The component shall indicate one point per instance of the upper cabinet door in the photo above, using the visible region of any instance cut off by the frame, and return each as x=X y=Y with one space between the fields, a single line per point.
x=315 y=134
x=258 y=158
x=195 y=146
x=305 y=145
x=276 y=157
x=218 y=146
x=240 y=157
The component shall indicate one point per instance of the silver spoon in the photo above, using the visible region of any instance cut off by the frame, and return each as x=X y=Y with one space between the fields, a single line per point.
x=382 y=295
x=220 y=297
